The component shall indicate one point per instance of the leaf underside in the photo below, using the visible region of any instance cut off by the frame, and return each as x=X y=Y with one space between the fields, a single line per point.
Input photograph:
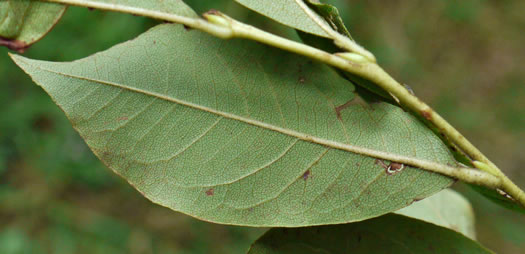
x=446 y=209
x=23 y=22
x=387 y=234
x=239 y=133
x=286 y=12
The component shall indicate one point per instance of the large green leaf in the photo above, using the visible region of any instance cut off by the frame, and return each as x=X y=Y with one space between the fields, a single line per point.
x=240 y=133
x=447 y=209
x=23 y=22
x=387 y=234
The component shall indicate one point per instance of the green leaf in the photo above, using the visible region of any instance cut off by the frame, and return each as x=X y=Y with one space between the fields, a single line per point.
x=286 y=12
x=177 y=7
x=24 y=22
x=448 y=209
x=331 y=15
x=387 y=234
x=240 y=133
x=499 y=198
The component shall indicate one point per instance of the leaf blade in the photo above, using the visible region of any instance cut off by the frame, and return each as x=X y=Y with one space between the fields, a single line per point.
x=286 y=12
x=386 y=234
x=225 y=117
x=446 y=208
x=24 y=22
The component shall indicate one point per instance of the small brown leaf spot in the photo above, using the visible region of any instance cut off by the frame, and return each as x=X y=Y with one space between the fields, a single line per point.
x=341 y=107
x=426 y=114
x=209 y=192
x=301 y=79
x=124 y=118
x=306 y=174
x=357 y=164
x=90 y=8
x=394 y=168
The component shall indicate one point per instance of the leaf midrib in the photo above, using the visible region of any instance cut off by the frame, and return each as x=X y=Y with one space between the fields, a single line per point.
x=416 y=162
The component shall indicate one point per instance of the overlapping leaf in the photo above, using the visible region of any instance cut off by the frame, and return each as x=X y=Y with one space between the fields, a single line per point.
x=239 y=133
x=23 y=22
x=287 y=12
x=387 y=234
x=447 y=209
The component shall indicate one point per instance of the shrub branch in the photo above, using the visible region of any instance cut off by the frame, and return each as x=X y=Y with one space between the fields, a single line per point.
x=485 y=174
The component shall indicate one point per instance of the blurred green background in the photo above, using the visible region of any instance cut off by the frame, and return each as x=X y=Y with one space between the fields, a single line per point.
x=465 y=58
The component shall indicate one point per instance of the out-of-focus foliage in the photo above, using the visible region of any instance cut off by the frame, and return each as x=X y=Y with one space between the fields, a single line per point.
x=56 y=197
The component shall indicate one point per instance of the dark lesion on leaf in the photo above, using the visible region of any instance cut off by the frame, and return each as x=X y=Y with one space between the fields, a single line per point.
x=392 y=168
x=307 y=175
x=339 y=108
x=209 y=192
x=16 y=45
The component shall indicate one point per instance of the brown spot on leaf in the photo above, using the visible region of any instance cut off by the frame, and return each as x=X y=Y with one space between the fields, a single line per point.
x=124 y=118
x=90 y=8
x=301 y=79
x=394 y=168
x=426 y=114
x=209 y=192
x=16 y=45
x=417 y=199
x=341 y=107
x=306 y=175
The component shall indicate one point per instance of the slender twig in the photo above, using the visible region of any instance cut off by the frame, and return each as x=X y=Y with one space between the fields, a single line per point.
x=225 y=27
